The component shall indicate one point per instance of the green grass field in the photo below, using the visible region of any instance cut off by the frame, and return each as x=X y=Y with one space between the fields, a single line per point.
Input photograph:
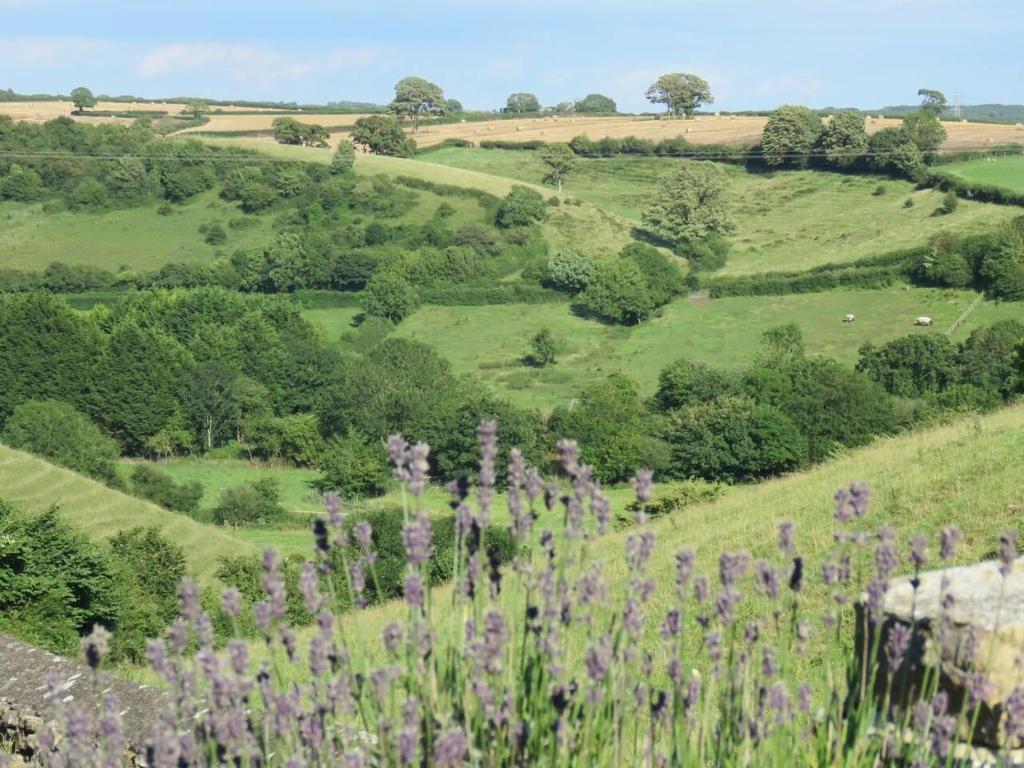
x=32 y=484
x=787 y=220
x=491 y=341
x=138 y=238
x=1005 y=172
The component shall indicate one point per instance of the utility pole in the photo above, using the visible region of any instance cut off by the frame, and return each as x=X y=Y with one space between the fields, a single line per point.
x=956 y=106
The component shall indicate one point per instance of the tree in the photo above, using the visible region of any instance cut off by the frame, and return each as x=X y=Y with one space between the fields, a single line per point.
x=287 y=130
x=82 y=98
x=315 y=135
x=595 y=102
x=893 y=149
x=21 y=184
x=933 y=101
x=257 y=197
x=987 y=359
x=1003 y=267
x=618 y=292
x=925 y=130
x=521 y=103
x=160 y=488
x=782 y=345
x=944 y=263
x=57 y=431
x=789 y=136
x=344 y=159
x=415 y=97
x=691 y=204
x=543 y=348
x=353 y=467
x=521 y=207
x=389 y=295
x=733 y=438
x=210 y=403
x=611 y=426
x=912 y=366
x=196 y=108
x=570 y=271
x=685 y=383
x=383 y=135
x=844 y=139
x=664 y=281
x=453 y=107
x=681 y=93
x=559 y=160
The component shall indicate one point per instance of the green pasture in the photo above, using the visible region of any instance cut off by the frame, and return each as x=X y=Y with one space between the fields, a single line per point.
x=1005 y=172
x=785 y=220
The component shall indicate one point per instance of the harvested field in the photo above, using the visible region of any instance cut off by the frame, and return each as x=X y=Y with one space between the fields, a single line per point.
x=41 y=111
x=229 y=123
x=731 y=130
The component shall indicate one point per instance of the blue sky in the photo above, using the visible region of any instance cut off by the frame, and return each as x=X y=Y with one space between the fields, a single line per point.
x=755 y=54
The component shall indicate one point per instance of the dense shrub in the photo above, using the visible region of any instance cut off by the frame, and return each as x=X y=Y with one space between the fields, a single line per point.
x=664 y=280
x=160 y=488
x=570 y=271
x=521 y=207
x=294 y=438
x=619 y=293
x=685 y=383
x=353 y=467
x=390 y=296
x=58 y=432
x=254 y=505
x=383 y=135
x=911 y=366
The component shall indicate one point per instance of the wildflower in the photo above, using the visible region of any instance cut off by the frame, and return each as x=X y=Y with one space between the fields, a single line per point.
x=887 y=559
x=599 y=658
x=949 y=537
x=364 y=535
x=803 y=695
x=713 y=641
x=979 y=689
x=1007 y=552
x=919 y=550
x=701 y=588
x=96 y=645
x=392 y=637
x=896 y=646
x=231 y=601
x=769 y=666
x=732 y=566
x=727 y=600
x=796 y=576
x=642 y=484
x=787 y=546
x=450 y=748
x=876 y=594
x=414 y=590
x=309 y=586
x=416 y=536
x=1015 y=715
x=752 y=633
x=188 y=600
x=671 y=626
x=685 y=559
x=767 y=579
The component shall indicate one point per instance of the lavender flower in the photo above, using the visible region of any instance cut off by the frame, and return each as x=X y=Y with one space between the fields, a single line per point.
x=188 y=600
x=887 y=559
x=685 y=559
x=919 y=550
x=769 y=666
x=309 y=586
x=787 y=544
x=897 y=645
x=732 y=566
x=599 y=658
x=852 y=502
x=949 y=537
x=450 y=748
x=1007 y=552
x=231 y=601
x=643 y=485
x=364 y=535
x=414 y=590
x=1015 y=715
x=417 y=536
x=767 y=579
x=96 y=645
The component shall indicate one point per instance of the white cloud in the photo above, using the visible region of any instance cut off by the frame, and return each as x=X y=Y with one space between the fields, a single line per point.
x=48 y=50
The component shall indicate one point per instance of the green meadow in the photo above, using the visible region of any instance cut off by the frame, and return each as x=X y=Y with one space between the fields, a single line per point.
x=1005 y=172
x=785 y=220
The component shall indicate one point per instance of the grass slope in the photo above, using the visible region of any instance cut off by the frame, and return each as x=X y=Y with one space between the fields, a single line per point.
x=1005 y=172
x=490 y=341
x=604 y=231
x=32 y=484
x=786 y=220
x=139 y=238
x=966 y=473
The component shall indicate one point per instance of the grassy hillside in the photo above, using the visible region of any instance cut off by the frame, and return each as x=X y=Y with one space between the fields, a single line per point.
x=604 y=230
x=787 y=220
x=139 y=238
x=491 y=341
x=967 y=474
x=1005 y=172
x=33 y=484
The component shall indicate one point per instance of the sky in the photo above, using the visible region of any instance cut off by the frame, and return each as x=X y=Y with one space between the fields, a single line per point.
x=755 y=54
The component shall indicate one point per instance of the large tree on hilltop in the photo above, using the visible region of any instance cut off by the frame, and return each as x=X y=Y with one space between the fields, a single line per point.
x=415 y=97
x=681 y=93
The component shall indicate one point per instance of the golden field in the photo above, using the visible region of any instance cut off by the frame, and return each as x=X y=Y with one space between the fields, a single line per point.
x=41 y=111
x=727 y=129
x=337 y=123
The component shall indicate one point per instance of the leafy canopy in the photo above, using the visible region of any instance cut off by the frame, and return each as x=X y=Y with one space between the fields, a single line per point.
x=681 y=93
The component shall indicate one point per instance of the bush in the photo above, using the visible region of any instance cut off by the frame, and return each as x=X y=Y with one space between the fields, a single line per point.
x=57 y=431
x=618 y=293
x=89 y=195
x=681 y=495
x=521 y=207
x=570 y=271
x=160 y=488
x=353 y=467
x=949 y=203
x=388 y=295
x=294 y=438
x=732 y=439
x=707 y=254
x=543 y=348
x=213 y=233
x=254 y=505
x=684 y=383
x=257 y=197
x=664 y=280
x=908 y=203
x=383 y=135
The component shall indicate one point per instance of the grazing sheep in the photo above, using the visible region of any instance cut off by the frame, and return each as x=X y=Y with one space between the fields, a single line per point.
x=923 y=320
x=849 y=318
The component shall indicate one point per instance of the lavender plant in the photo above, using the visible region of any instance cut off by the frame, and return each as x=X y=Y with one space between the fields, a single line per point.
x=544 y=662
